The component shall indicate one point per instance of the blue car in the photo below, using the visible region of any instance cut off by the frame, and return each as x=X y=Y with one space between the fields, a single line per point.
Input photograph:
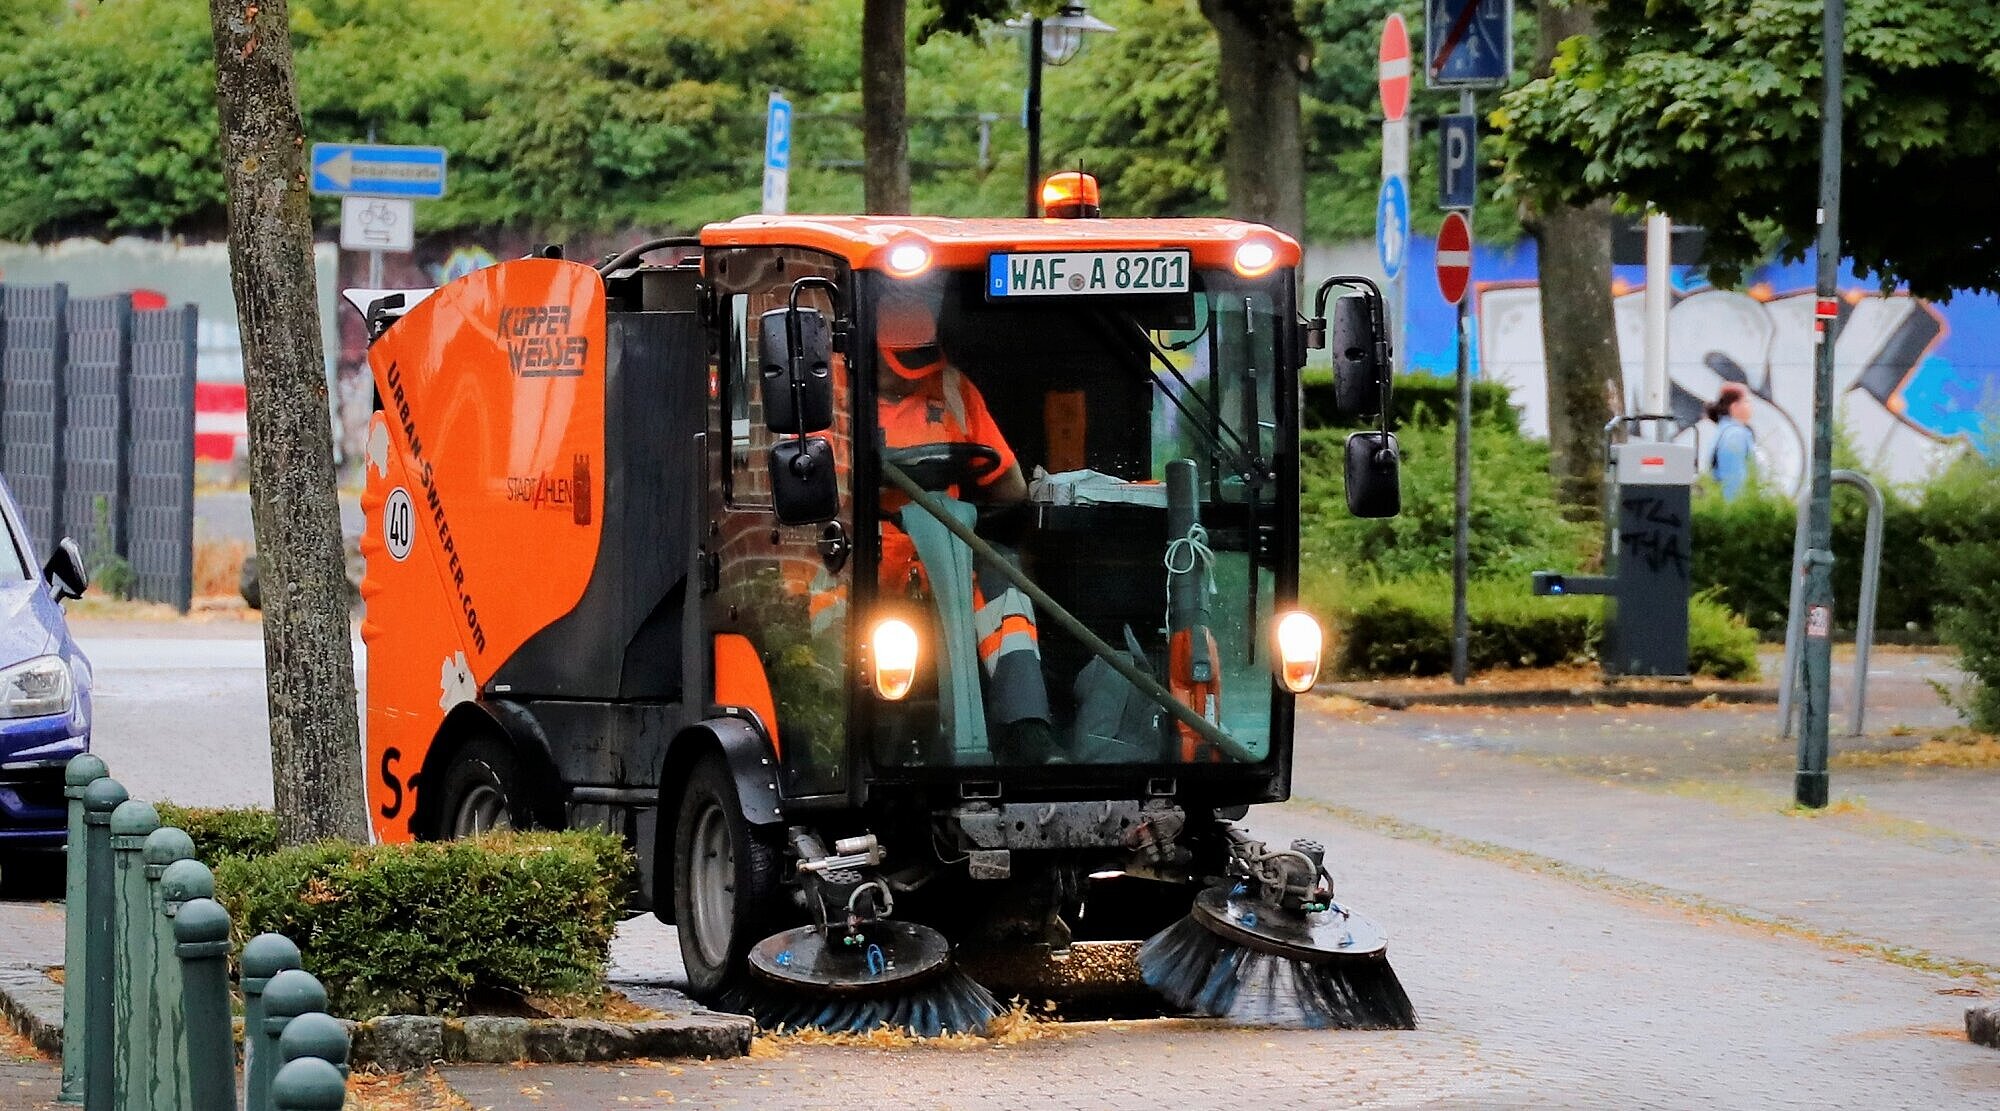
x=44 y=688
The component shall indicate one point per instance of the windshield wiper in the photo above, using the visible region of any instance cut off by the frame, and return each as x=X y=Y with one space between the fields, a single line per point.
x=1208 y=423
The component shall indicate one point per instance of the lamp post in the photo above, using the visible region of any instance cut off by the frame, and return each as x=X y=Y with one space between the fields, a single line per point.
x=1054 y=40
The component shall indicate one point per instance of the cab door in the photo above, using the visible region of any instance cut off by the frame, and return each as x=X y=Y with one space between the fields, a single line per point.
x=777 y=602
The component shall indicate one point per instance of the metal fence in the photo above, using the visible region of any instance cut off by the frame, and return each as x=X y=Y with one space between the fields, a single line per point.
x=146 y=997
x=97 y=431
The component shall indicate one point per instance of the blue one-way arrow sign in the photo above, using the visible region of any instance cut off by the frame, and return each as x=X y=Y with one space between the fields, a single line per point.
x=368 y=170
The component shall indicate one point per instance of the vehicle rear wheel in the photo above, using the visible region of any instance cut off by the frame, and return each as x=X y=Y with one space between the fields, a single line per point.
x=481 y=791
x=725 y=879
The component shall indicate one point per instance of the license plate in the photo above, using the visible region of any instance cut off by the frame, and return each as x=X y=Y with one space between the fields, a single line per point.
x=1073 y=273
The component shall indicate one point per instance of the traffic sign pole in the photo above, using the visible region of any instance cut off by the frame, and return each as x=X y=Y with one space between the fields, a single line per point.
x=1392 y=85
x=1810 y=787
x=777 y=155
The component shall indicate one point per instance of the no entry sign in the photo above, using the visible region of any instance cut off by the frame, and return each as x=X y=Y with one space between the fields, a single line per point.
x=1393 y=73
x=1454 y=257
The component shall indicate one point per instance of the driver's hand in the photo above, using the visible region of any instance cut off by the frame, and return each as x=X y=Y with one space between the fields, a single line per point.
x=1009 y=489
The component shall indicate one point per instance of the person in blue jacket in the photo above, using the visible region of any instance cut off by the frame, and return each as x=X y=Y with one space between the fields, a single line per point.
x=1730 y=457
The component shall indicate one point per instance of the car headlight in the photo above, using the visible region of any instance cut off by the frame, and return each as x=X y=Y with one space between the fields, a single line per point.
x=35 y=688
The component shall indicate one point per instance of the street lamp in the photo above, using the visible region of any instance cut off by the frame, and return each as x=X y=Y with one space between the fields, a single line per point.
x=1054 y=40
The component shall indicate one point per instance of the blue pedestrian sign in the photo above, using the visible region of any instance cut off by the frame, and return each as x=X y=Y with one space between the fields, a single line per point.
x=1458 y=157
x=777 y=155
x=369 y=170
x=1392 y=225
x=1468 y=44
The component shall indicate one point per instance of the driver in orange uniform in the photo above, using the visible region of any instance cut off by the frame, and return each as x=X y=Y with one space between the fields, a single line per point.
x=922 y=399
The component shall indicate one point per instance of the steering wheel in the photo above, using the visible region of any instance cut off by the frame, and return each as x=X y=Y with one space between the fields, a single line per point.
x=942 y=466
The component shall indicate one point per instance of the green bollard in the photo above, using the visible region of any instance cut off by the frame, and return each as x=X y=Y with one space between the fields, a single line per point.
x=310 y=1084
x=80 y=773
x=290 y=993
x=100 y=798
x=165 y=1085
x=201 y=942
x=315 y=1034
x=132 y=975
x=264 y=956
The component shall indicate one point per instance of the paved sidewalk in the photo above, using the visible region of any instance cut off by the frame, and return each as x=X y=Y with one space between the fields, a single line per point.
x=1655 y=801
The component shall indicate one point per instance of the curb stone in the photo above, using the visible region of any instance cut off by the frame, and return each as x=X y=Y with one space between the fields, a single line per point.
x=1606 y=695
x=399 y=1043
x=34 y=1004
x=1982 y=1025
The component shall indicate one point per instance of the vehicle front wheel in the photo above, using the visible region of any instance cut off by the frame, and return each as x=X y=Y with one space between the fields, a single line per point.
x=725 y=879
x=481 y=791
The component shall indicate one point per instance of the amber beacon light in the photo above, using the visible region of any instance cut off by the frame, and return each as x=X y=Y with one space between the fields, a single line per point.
x=1071 y=195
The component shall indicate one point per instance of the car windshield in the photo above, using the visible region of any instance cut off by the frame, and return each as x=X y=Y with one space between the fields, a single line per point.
x=1123 y=454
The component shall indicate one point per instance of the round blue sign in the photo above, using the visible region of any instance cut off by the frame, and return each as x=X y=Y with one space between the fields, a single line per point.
x=1392 y=225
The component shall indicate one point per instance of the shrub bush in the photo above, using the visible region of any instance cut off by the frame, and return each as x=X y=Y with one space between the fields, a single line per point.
x=220 y=832
x=1963 y=508
x=1417 y=398
x=1394 y=628
x=432 y=927
x=1742 y=550
x=1515 y=527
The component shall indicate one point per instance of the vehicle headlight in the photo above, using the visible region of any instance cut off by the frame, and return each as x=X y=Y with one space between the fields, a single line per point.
x=894 y=652
x=1299 y=642
x=35 y=688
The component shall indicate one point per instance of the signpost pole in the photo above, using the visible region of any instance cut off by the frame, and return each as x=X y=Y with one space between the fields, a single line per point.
x=1461 y=619
x=1810 y=784
x=1392 y=82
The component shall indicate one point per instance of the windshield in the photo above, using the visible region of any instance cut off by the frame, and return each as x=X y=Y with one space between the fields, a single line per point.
x=1122 y=454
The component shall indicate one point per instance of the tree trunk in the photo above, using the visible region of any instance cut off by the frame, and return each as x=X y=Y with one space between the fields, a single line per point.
x=309 y=665
x=1579 y=331
x=885 y=133
x=1263 y=53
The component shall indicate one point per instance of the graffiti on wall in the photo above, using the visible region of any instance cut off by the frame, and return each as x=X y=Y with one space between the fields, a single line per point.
x=1763 y=340
x=1917 y=382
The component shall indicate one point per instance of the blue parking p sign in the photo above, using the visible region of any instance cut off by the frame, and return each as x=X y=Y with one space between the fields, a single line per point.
x=777 y=155
x=1468 y=44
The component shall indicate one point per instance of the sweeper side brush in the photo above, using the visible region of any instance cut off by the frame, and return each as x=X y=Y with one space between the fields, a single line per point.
x=1271 y=948
x=856 y=969
x=895 y=974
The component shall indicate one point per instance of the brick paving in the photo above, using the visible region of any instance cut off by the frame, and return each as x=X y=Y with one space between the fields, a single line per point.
x=1575 y=898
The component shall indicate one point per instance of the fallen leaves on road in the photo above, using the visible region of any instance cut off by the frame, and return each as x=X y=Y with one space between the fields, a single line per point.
x=398 y=1091
x=1954 y=748
x=1017 y=1024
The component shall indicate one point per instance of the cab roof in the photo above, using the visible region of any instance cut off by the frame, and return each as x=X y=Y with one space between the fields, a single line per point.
x=865 y=241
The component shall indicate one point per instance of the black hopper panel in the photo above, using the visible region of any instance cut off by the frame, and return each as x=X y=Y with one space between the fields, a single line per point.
x=622 y=641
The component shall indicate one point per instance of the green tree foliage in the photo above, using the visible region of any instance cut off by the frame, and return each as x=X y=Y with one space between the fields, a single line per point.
x=1710 y=108
x=110 y=120
x=609 y=115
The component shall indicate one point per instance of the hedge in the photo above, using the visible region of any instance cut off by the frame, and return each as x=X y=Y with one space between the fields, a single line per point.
x=1516 y=525
x=220 y=832
x=1742 y=550
x=1964 y=543
x=435 y=928
x=1417 y=398
x=1395 y=628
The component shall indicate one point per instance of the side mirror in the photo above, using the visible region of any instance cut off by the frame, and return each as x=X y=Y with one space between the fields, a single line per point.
x=797 y=384
x=803 y=486
x=1374 y=475
x=1358 y=376
x=64 y=570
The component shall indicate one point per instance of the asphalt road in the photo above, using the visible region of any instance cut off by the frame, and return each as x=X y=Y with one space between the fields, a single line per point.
x=1590 y=908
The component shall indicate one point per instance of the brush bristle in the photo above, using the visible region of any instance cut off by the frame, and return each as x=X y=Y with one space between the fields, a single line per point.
x=949 y=1003
x=1199 y=971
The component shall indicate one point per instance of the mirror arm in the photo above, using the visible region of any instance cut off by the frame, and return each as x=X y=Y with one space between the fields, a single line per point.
x=1378 y=320
x=795 y=371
